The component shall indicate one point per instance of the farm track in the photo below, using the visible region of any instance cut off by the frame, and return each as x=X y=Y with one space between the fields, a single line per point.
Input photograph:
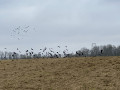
x=84 y=73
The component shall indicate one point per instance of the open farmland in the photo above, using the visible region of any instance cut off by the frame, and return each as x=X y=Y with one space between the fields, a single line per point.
x=84 y=73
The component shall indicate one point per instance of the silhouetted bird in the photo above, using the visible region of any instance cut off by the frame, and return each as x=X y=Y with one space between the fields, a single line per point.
x=101 y=51
x=51 y=50
x=78 y=53
x=56 y=56
x=59 y=46
x=14 y=53
x=30 y=53
x=44 y=49
x=82 y=53
x=50 y=55
x=26 y=50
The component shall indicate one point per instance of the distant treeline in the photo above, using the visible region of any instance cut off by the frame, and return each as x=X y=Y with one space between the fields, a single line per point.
x=105 y=50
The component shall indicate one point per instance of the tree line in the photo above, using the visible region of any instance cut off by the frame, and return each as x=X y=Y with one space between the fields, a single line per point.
x=104 y=50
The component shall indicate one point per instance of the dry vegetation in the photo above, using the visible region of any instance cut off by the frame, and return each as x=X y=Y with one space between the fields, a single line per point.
x=86 y=73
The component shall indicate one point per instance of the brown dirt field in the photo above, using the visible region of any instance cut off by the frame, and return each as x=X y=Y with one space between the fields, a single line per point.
x=85 y=73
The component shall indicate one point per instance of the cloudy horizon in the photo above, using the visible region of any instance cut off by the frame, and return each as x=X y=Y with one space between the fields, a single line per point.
x=75 y=23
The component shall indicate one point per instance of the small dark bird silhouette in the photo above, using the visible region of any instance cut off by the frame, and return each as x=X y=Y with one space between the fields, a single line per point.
x=32 y=52
x=26 y=50
x=44 y=49
x=82 y=53
x=59 y=46
x=77 y=53
x=50 y=55
x=51 y=50
x=56 y=56
x=101 y=51
x=14 y=53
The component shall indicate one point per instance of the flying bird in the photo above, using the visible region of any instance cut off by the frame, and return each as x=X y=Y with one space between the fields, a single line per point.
x=101 y=51
x=26 y=50
x=44 y=49
x=58 y=46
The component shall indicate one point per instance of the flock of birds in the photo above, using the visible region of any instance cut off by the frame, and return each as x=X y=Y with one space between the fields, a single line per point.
x=20 y=31
x=45 y=52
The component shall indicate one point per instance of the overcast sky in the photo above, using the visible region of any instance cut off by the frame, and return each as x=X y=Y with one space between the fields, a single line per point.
x=75 y=23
